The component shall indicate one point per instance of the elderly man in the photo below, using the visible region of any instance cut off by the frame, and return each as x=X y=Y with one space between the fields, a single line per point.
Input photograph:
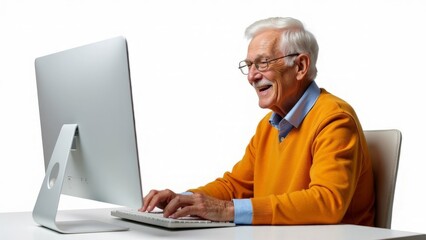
x=307 y=162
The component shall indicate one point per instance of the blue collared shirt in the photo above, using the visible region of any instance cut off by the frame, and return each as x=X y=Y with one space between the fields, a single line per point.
x=243 y=209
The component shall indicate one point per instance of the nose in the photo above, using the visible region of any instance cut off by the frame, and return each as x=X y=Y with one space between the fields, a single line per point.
x=253 y=75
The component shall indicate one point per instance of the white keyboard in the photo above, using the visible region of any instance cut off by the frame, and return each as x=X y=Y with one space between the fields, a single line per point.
x=157 y=218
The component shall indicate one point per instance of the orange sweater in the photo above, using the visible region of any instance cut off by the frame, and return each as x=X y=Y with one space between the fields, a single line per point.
x=320 y=173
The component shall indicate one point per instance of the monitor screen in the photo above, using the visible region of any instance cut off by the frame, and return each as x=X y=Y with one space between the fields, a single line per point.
x=85 y=100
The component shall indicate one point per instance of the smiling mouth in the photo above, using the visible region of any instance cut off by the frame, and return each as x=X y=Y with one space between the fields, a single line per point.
x=264 y=88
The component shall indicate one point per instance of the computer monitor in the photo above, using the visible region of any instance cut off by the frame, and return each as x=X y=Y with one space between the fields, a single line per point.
x=88 y=131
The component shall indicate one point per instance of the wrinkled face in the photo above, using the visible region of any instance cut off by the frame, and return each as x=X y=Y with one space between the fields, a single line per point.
x=276 y=87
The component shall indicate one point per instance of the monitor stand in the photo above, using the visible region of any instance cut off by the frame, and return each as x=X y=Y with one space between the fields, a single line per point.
x=46 y=207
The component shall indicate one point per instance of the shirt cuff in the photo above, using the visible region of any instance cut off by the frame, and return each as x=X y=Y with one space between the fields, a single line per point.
x=186 y=193
x=243 y=211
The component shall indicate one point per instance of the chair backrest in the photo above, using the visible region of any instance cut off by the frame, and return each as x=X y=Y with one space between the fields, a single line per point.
x=384 y=147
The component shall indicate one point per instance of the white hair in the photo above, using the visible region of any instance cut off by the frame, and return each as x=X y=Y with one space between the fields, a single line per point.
x=294 y=38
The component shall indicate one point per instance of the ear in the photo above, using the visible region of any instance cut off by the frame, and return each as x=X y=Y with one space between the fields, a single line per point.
x=302 y=63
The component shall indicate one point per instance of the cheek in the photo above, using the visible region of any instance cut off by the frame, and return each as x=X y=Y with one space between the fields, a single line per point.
x=279 y=88
x=284 y=83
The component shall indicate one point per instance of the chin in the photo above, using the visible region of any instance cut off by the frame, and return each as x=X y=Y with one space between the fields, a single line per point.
x=264 y=105
x=267 y=101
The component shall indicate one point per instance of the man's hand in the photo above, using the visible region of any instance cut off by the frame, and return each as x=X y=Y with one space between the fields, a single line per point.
x=158 y=199
x=197 y=204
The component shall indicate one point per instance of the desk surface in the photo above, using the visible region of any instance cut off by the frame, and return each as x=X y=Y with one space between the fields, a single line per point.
x=20 y=225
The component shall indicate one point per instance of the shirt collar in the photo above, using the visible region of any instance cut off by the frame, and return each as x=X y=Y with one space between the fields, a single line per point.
x=299 y=111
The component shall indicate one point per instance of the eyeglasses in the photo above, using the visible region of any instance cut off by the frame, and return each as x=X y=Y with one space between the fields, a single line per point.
x=260 y=65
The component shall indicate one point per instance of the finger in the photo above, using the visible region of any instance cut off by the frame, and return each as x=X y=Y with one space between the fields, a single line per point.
x=185 y=211
x=176 y=203
x=147 y=200
x=159 y=199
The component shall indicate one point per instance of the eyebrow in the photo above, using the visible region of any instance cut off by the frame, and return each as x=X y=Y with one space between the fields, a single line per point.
x=257 y=58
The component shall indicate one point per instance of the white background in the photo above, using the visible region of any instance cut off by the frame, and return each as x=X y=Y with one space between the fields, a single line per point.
x=195 y=112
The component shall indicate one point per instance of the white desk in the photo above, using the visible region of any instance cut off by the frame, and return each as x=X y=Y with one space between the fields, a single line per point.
x=20 y=225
